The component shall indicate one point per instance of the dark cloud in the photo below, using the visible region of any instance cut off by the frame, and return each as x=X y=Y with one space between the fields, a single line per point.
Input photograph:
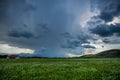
x=73 y=42
x=108 y=9
x=67 y=35
x=41 y=27
x=106 y=40
x=104 y=30
x=112 y=40
x=105 y=16
x=18 y=34
x=40 y=23
x=89 y=46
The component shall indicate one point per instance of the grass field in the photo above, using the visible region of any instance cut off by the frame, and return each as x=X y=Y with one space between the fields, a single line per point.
x=60 y=69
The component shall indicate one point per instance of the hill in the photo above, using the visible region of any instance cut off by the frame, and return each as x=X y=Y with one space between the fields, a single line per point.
x=109 y=53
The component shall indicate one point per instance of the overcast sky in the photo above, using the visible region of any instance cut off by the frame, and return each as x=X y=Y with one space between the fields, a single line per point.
x=59 y=28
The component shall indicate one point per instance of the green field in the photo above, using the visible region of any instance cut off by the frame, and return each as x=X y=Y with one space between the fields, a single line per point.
x=60 y=69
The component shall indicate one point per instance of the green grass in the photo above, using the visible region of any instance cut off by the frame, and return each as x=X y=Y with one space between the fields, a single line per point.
x=60 y=69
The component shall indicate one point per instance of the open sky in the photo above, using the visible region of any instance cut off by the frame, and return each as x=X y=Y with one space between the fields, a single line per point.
x=59 y=28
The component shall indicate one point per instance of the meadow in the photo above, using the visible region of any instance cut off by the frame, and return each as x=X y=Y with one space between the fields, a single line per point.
x=60 y=69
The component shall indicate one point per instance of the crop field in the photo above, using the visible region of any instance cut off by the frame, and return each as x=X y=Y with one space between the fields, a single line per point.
x=60 y=69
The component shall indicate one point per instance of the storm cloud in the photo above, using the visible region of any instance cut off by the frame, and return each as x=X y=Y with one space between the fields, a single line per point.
x=42 y=23
x=53 y=28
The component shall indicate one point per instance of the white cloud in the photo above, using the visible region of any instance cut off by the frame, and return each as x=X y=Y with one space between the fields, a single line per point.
x=114 y=21
x=5 y=48
x=73 y=55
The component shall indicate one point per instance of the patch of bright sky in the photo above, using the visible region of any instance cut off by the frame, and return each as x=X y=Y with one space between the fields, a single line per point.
x=73 y=55
x=87 y=16
x=107 y=47
x=100 y=46
x=5 y=48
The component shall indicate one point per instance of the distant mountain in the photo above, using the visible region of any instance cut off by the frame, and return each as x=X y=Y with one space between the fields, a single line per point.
x=109 y=53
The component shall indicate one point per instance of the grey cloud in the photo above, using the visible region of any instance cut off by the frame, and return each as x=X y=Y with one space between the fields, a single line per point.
x=71 y=44
x=37 y=23
x=83 y=38
x=67 y=35
x=42 y=27
x=105 y=16
x=89 y=46
x=18 y=34
x=108 y=9
x=106 y=40
x=106 y=30
x=112 y=40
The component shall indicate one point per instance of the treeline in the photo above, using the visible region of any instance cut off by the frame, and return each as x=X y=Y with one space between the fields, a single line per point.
x=3 y=56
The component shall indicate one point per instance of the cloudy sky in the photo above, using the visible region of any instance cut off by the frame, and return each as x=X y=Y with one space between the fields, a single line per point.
x=59 y=28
